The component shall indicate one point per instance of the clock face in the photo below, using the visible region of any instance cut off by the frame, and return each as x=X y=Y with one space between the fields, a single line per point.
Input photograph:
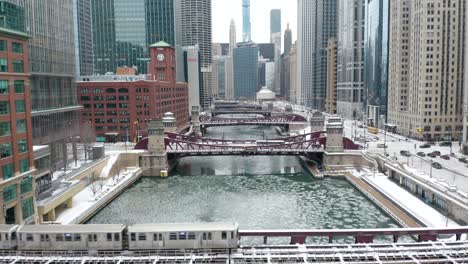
x=160 y=57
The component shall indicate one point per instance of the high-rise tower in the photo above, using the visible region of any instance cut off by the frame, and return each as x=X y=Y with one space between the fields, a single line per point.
x=317 y=23
x=229 y=85
x=82 y=20
x=287 y=39
x=232 y=37
x=246 y=28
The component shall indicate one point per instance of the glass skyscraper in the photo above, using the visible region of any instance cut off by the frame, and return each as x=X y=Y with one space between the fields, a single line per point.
x=246 y=26
x=376 y=58
x=123 y=30
x=275 y=21
x=82 y=20
x=245 y=61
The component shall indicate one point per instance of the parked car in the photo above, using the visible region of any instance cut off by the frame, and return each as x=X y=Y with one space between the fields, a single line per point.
x=405 y=153
x=425 y=145
x=421 y=154
x=445 y=157
x=436 y=165
x=381 y=146
x=445 y=144
x=432 y=155
x=463 y=159
x=436 y=152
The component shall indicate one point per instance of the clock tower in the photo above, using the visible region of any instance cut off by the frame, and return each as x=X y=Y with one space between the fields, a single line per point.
x=162 y=63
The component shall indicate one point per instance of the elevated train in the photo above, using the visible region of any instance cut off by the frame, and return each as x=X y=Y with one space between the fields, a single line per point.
x=116 y=237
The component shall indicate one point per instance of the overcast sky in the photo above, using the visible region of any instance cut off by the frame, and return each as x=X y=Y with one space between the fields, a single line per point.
x=224 y=10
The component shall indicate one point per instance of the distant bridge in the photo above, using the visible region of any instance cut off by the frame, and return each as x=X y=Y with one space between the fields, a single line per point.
x=283 y=120
x=240 y=111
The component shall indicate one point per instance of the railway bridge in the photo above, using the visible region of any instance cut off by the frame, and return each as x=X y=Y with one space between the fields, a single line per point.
x=288 y=122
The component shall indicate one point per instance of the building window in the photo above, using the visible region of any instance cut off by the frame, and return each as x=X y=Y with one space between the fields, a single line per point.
x=9 y=193
x=3 y=86
x=5 y=150
x=17 y=48
x=19 y=106
x=3 y=45
x=21 y=126
x=26 y=185
x=18 y=66
x=3 y=65
x=5 y=129
x=8 y=171
x=19 y=86
x=24 y=165
x=28 y=208
x=4 y=107
x=22 y=145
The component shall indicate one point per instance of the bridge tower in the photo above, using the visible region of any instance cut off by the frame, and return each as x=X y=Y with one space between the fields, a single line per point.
x=334 y=135
x=317 y=122
x=155 y=161
x=196 y=120
x=169 y=122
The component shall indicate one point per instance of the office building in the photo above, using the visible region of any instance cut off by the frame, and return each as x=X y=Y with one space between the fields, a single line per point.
x=245 y=62
x=55 y=110
x=376 y=60
x=293 y=73
x=119 y=107
x=83 y=27
x=193 y=19
x=331 y=76
x=426 y=80
x=17 y=182
x=123 y=30
x=275 y=38
x=229 y=92
x=465 y=102
x=246 y=26
x=219 y=76
x=317 y=22
x=287 y=39
x=350 y=66
x=191 y=60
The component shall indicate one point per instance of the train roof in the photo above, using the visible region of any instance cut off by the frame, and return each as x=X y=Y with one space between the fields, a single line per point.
x=182 y=227
x=7 y=228
x=81 y=229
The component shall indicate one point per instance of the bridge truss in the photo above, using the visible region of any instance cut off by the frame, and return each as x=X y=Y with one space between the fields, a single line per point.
x=283 y=120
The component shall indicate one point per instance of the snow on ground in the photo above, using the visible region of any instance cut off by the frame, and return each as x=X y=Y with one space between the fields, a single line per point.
x=85 y=199
x=113 y=156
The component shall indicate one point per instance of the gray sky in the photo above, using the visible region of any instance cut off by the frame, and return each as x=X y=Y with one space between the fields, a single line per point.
x=224 y=10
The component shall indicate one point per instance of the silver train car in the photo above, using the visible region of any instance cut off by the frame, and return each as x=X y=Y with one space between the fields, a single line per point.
x=118 y=237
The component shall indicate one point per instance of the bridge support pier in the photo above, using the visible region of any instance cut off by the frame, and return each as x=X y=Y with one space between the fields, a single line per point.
x=317 y=122
x=155 y=161
x=334 y=135
x=196 y=121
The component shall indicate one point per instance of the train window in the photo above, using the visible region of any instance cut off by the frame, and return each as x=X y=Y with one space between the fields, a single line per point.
x=191 y=236
x=160 y=237
x=6 y=236
x=204 y=236
x=172 y=236
x=90 y=238
x=95 y=238
x=44 y=238
x=109 y=237
x=232 y=235
x=116 y=237
x=155 y=237
x=132 y=237
x=29 y=237
x=59 y=237
x=209 y=235
x=182 y=235
x=1 y=237
x=77 y=237
x=223 y=235
x=68 y=237
x=141 y=236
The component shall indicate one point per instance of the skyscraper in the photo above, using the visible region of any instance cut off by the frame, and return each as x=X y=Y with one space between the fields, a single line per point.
x=246 y=27
x=245 y=61
x=229 y=85
x=465 y=103
x=426 y=80
x=317 y=22
x=287 y=39
x=82 y=20
x=350 y=66
x=275 y=21
x=376 y=59
x=123 y=30
x=55 y=110
x=275 y=38
x=194 y=22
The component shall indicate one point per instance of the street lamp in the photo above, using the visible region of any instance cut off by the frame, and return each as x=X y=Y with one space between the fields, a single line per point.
x=135 y=128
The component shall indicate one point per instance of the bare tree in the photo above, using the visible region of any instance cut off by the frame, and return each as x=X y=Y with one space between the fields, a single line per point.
x=87 y=136
x=101 y=183
x=93 y=186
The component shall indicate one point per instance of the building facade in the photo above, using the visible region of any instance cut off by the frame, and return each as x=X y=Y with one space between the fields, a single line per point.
x=376 y=60
x=317 y=22
x=55 y=110
x=331 y=76
x=83 y=27
x=123 y=30
x=293 y=74
x=245 y=62
x=120 y=107
x=246 y=26
x=219 y=76
x=350 y=68
x=426 y=80
x=465 y=104
x=17 y=182
x=287 y=39
x=194 y=22
x=229 y=92
x=192 y=75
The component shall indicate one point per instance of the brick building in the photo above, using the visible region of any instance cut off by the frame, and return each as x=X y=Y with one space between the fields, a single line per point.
x=120 y=106
x=16 y=162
